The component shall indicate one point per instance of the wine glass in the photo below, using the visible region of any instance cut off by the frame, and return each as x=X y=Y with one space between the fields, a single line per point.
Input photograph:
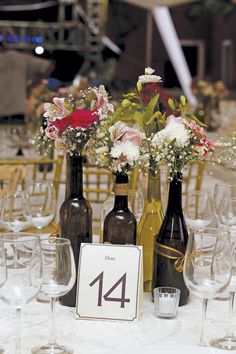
x=16 y=211
x=209 y=277
x=43 y=203
x=198 y=210
x=227 y=214
x=136 y=203
x=24 y=272
x=222 y=191
x=3 y=274
x=229 y=340
x=58 y=279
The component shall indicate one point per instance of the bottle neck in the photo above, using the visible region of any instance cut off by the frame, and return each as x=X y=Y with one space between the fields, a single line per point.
x=74 y=176
x=121 y=191
x=175 y=194
x=154 y=187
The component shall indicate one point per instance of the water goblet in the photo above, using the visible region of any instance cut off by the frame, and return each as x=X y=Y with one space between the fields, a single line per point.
x=58 y=279
x=24 y=272
x=43 y=203
x=210 y=277
x=16 y=211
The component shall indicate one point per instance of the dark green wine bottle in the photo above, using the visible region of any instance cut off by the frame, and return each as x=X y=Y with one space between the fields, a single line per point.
x=170 y=244
x=75 y=217
x=120 y=225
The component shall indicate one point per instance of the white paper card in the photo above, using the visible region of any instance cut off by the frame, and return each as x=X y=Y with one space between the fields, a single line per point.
x=110 y=284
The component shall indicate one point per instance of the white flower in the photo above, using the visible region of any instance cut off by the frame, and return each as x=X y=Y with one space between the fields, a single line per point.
x=173 y=131
x=148 y=77
x=145 y=79
x=149 y=71
x=124 y=153
x=125 y=149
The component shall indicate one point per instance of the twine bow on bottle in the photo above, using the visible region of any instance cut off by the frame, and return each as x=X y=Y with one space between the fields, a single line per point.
x=176 y=255
x=171 y=253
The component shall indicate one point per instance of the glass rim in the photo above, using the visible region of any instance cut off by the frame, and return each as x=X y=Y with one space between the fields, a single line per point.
x=15 y=191
x=214 y=231
x=31 y=236
x=54 y=241
x=159 y=288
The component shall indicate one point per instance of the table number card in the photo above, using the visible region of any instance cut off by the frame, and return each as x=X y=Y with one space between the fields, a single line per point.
x=110 y=282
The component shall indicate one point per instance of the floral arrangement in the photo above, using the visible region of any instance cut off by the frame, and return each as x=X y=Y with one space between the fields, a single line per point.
x=70 y=123
x=118 y=147
x=180 y=142
x=203 y=88
x=208 y=96
x=149 y=128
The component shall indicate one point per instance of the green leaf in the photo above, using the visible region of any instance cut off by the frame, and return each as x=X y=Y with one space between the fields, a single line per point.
x=171 y=104
x=151 y=106
x=193 y=117
x=156 y=115
x=139 y=86
x=183 y=100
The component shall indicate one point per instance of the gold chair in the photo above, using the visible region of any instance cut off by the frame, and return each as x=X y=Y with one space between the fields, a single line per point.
x=38 y=169
x=10 y=177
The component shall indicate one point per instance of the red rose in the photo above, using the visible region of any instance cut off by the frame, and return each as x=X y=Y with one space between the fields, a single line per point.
x=81 y=118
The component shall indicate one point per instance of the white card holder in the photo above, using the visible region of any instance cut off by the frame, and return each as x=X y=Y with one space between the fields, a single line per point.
x=110 y=282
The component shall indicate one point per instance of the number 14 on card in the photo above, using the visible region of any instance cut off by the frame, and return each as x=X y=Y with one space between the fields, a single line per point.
x=109 y=282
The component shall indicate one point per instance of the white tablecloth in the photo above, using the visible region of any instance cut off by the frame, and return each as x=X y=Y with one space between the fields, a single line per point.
x=149 y=335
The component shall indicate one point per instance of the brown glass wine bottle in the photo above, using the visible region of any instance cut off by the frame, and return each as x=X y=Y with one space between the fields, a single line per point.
x=75 y=217
x=120 y=225
x=170 y=244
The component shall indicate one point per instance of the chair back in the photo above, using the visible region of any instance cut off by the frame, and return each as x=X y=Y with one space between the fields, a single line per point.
x=10 y=177
x=38 y=169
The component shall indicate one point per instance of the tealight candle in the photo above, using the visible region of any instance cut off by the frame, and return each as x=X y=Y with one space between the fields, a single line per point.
x=166 y=301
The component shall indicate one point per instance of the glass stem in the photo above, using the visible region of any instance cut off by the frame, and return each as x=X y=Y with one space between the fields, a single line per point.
x=231 y=307
x=18 y=330
x=204 y=312
x=52 y=321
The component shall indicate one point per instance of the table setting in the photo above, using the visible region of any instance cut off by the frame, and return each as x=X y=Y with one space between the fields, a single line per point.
x=186 y=252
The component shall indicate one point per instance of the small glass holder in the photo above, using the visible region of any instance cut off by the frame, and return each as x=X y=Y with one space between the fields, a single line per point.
x=166 y=301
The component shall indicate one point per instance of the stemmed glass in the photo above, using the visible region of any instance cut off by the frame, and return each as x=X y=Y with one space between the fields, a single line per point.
x=198 y=209
x=227 y=220
x=43 y=203
x=24 y=272
x=209 y=277
x=58 y=279
x=222 y=191
x=3 y=274
x=16 y=211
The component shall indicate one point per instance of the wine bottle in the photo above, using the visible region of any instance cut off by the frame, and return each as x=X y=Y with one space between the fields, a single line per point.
x=75 y=217
x=170 y=244
x=149 y=225
x=120 y=224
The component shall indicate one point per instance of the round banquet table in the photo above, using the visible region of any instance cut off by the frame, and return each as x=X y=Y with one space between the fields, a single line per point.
x=148 y=335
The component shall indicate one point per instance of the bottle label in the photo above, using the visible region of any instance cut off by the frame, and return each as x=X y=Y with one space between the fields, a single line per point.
x=171 y=253
x=121 y=189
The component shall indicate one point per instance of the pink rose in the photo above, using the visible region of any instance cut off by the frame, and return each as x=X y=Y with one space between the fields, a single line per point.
x=51 y=132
